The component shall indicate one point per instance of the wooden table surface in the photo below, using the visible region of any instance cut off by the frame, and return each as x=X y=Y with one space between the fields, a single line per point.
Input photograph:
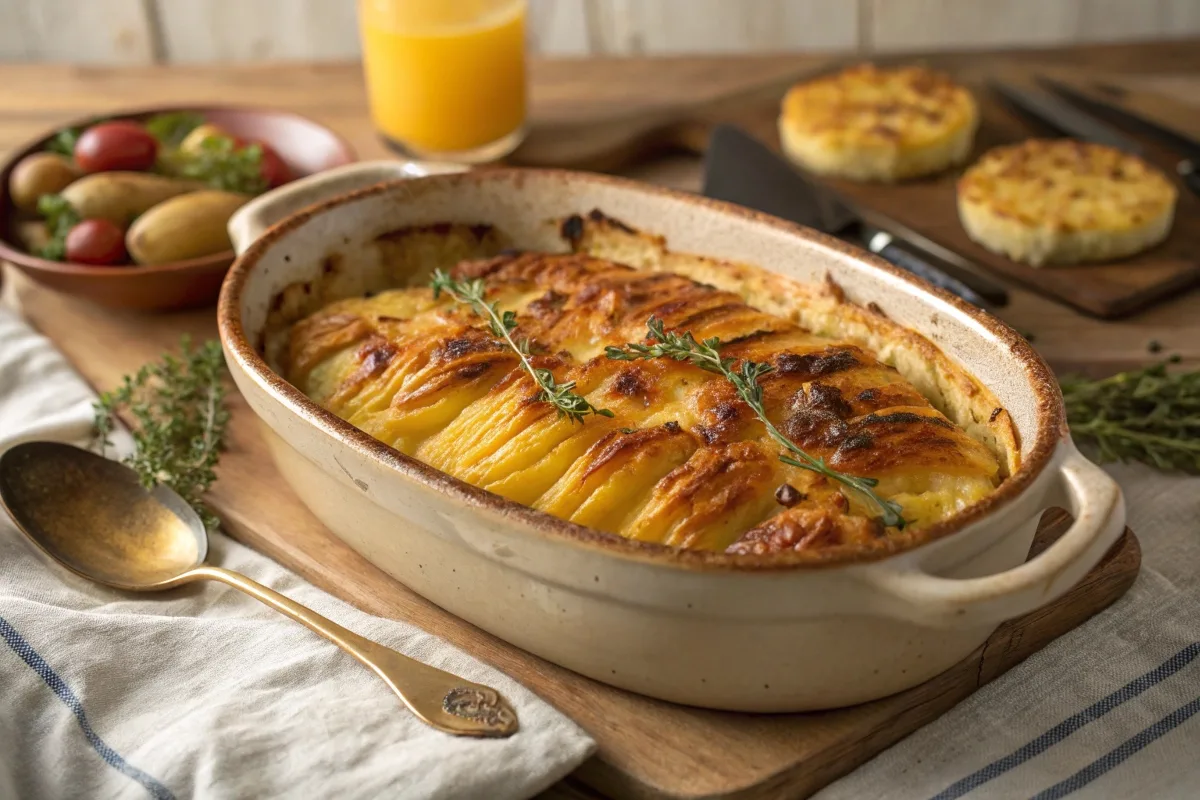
x=36 y=97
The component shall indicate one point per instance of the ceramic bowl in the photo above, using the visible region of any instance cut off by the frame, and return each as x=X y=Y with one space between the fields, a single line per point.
x=757 y=633
x=306 y=146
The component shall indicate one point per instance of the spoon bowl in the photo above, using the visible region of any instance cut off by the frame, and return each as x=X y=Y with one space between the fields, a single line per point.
x=94 y=517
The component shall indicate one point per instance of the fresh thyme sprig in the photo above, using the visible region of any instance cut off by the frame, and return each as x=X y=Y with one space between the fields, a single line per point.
x=560 y=395
x=1148 y=415
x=706 y=356
x=178 y=405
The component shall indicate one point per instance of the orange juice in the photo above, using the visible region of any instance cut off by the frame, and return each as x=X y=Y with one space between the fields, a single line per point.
x=446 y=77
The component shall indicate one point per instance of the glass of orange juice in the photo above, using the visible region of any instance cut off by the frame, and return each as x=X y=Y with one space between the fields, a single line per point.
x=446 y=78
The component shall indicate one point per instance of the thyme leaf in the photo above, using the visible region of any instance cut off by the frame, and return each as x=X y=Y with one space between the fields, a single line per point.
x=560 y=395
x=178 y=407
x=1149 y=415
x=744 y=377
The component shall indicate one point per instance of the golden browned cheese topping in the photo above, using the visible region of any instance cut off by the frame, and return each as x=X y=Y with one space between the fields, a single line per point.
x=684 y=461
x=904 y=106
x=1067 y=185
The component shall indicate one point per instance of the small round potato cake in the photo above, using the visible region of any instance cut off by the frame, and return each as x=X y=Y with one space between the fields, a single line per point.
x=1062 y=201
x=871 y=124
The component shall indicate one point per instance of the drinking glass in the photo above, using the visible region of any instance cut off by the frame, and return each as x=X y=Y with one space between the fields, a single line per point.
x=446 y=78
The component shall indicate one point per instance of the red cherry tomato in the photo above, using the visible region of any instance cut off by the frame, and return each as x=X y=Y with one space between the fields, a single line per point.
x=97 y=242
x=274 y=170
x=115 y=145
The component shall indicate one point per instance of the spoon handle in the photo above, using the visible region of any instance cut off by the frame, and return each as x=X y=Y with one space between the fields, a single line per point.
x=439 y=699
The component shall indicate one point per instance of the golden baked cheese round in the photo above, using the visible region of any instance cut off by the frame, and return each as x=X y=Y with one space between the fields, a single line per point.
x=871 y=124
x=1061 y=201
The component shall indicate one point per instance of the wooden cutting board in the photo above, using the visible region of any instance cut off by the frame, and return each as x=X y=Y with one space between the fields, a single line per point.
x=646 y=748
x=922 y=210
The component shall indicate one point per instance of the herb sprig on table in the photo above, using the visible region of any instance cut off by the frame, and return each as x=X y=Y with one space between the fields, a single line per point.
x=1149 y=415
x=706 y=355
x=178 y=407
x=560 y=395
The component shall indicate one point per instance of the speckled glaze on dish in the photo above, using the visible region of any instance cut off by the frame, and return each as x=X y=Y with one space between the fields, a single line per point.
x=779 y=633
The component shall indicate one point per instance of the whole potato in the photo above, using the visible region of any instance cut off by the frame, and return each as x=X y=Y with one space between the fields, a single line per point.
x=121 y=196
x=32 y=235
x=188 y=226
x=38 y=174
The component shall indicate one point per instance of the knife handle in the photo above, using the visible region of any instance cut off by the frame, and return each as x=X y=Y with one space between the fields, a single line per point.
x=882 y=244
x=1189 y=171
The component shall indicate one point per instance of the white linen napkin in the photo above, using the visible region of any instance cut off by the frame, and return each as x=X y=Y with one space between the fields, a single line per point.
x=206 y=693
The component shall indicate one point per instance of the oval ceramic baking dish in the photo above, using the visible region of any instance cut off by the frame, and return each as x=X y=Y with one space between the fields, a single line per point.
x=768 y=633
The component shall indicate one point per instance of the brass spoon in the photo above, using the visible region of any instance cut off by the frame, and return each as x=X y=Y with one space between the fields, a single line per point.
x=93 y=516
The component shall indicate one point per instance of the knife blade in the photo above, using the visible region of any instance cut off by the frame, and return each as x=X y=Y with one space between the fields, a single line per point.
x=1064 y=117
x=741 y=169
x=1121 y=113
x=1188 y=168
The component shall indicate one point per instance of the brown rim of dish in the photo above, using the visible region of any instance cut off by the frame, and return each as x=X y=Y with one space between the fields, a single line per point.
x=1050 y=414
x=9 y=251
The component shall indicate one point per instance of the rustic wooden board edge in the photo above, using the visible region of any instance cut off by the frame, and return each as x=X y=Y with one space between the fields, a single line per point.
x=1126 y=305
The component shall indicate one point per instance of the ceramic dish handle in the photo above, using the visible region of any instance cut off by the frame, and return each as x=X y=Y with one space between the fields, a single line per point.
x=252 y=219
x=1096 y=503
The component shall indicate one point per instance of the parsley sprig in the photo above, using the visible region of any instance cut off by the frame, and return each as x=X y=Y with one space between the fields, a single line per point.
x=178 y=407
x=706 y=355
x=63 y=142
x=60 y=217
x=172 y=127
x=1149 y=415
x=220 y=163
x=560 y=395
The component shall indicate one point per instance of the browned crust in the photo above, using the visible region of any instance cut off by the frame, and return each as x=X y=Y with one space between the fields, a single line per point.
x=814 y=307
x=1096 y=173
x=1051 y=418
x=821 y=107
x=833 y=399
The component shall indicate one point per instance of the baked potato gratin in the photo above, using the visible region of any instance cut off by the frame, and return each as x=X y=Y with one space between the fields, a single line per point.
x=682 y=461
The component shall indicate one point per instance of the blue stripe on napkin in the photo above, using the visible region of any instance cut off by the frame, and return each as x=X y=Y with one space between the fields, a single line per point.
x=1072 y=724
x=1118 y=754
x=64 y=693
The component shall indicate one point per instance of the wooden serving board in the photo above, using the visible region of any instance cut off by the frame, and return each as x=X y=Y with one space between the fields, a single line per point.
x=921 y=210
x=647 y=748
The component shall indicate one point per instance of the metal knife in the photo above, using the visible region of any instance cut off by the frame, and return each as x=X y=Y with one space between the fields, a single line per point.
x=1188 y=168
x=741 y=169
x=1064 y=117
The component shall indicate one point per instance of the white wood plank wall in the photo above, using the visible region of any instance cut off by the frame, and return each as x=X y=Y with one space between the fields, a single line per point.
x=143 y=31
